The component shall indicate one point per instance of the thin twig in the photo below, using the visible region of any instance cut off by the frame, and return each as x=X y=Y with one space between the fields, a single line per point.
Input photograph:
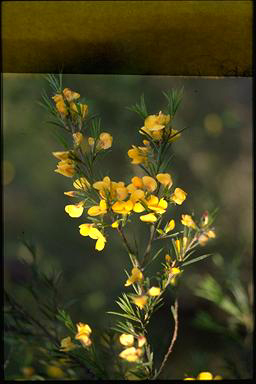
x=174 y=337
x=149 y=246
x=127 y=246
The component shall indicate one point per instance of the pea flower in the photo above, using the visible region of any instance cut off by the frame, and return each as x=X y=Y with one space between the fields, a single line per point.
x=131 y=354
x=149 y=218
x=140 y=301
x=97 y=210
x=139 y=155
x=82 y=183
x=136 y=276
x=170 y=226
x=154 y=291
x=75 y=210
x=105 y=140
x=55 y=371
x=154 y=125
x=67 y=345
x=60 y=105
x=159 y=206
x=66 y=168
x=93 y=232
x=70 y=95
x=78 y=138
x=83 y=334
x=122 y=207
x=188 y=221
x=164 y=179
x=63 y=155
x=205 y=376
x=178 y=196
x=126 y=339
x=204 y=237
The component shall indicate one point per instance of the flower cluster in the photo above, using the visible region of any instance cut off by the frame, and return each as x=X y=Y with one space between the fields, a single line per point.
x=111 y=205
x=132 y=353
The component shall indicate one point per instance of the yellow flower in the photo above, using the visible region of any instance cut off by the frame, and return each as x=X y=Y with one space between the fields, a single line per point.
x=165 y=179
x=137 y=182
x=184 y=242
x=140 y=301
x=141 y=341
x=56 y=98
x=83 y=328
x=177 y=243
x=62 y=155
x=70 y=95
x=105 y=141
x=131 y=354
x=66 y=168
x=66 y=344
x=121 y=193
x=205 y=376
x=149 y=183
x=170 y=226
x=83 y=334
x=126 y=339
x=97 y=210
x=149 y=218
x=175 y=271
x=159 y=206
x=135 y=277
x=188 y=221
x=211 y=234
x=137 y=195
x=28 y=371
x=122 y=207
x=104 y=187
x=70 y=193
x=168 y=258
x=154 y=291
x=178 y=196
x=138 y=155
x=93 y=233
x=203 y=239
x=78 y=138
x=154 y=125
x=81 y=183
x=115 y=224
x=84 y=110
x=55 y=372
x=75 y=210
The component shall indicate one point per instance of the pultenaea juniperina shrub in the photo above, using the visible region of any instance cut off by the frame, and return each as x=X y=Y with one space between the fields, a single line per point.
x=103 y=205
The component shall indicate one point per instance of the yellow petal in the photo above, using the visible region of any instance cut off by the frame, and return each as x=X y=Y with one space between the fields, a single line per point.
x=129 y=354
x=74 y=210
x=126 y=339
x=85 y=229
x=164 y=179
x=137 y=182
x=149 y=218
x=140 y=301
x=204 y=376
x=138 y=208
x=83 y=328
x=154 y=291
x=170 y=226
x=149 y=183
x=115 y=224
x=100 y=243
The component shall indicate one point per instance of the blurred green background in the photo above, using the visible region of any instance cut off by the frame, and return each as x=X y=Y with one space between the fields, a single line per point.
x=212 y=162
